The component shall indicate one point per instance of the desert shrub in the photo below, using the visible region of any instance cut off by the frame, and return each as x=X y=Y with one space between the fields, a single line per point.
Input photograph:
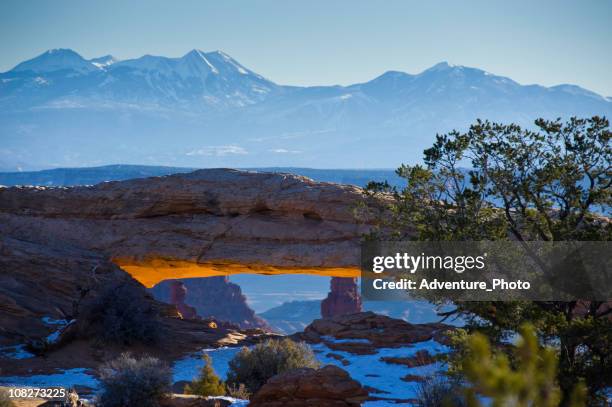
x=5 y=400
x=122 y=314
x=437 y=391
x=129 y=381
x=238 y=392
x=207 y=383
x=253 y=367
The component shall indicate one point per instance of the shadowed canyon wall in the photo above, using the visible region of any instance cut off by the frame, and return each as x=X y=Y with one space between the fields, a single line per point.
x=214 y=297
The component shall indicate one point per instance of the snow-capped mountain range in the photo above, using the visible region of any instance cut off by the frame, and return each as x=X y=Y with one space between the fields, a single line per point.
x=206 y=109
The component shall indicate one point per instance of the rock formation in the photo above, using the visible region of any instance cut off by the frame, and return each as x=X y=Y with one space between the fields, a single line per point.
x=370 y=332
x=420 y=358
x=343 y=298
x=214 y=297
x=40 y=286
x=178 y=292
x=205 y=223
x=59 y=245
x=329 y=386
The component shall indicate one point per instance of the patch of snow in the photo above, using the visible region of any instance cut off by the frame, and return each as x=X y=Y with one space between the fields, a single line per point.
x=211 y=66
x=235 y=402
x=52 y=321
x=66 y=378
x=54 y=336
x=41 y=81
x=370 y=370
x=352 y=340
x=103 y=62
x=257 y=89
x=15 y=352
x=189 y=367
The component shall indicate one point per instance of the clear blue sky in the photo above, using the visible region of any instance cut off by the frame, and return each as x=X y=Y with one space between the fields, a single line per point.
x=331 y=42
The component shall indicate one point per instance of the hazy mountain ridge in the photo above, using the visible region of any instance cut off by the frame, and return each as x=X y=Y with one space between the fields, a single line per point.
x=205 y=109
x=94 y=175
x=294 y=316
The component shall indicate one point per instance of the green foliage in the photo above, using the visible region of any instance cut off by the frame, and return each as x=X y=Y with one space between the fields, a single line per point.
x=528 y=380
x=207 y=383
x=129 y=381
x=523 y=185
x=253 y=367
x=122 y=315
x=517 y=177
x=238 y=392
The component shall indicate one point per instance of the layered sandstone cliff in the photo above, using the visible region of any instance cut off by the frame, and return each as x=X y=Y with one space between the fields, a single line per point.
x=209 y=222
x=57 y=243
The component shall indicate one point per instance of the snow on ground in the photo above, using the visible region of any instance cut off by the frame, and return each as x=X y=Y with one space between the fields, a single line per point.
x=331 y=339
x=54 y=336
x=189 y=367
x=51 y=321
x=369 y=370
x=235 y=402
x=20 y=352
x=66 y=378
x=15 y=352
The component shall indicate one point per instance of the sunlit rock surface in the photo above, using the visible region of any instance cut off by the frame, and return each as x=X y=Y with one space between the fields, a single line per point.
x=57 y=242
x=200 y=224
x=329 y=386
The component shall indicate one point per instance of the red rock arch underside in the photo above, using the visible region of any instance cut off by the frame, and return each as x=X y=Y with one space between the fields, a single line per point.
x=153 y=271
x=201 y=224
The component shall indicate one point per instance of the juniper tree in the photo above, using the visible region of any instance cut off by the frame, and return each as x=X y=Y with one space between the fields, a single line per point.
x=546 y=184
x=529 y=381
x=207 y=383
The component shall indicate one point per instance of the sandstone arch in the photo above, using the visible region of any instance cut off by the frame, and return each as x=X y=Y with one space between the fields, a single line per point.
x=201 y=224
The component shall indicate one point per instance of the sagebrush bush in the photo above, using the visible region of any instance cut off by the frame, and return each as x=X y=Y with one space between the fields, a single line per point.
x=5 y=400
x=130 y=381
x=238 y=392
x=121 y=314
x=207 y=383
x=253 y=367
x=439 y=391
